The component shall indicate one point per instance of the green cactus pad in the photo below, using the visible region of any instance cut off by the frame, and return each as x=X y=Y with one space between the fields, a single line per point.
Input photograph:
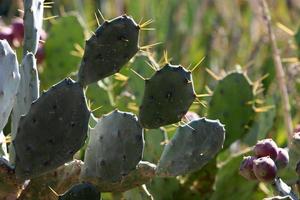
x=65 y=32
x=28 y=90
x=115 y=42
x=231 y=104
x=115 y=147
x=9 y=81
x=192 y=146
x=168 y=95
x=33 y=21
x=81 y=191
x=154 y=144
x=52 y=131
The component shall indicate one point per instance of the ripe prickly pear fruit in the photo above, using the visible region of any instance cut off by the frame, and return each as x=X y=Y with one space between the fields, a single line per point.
x=298 y=168
x=17 y=30
x=282 y=159
x=264 y=169
x=6 y=34
x=190 y=116
x=266 y=147
x=246 y=168
x=296 y=142
x=40 y=54
x=82 y=191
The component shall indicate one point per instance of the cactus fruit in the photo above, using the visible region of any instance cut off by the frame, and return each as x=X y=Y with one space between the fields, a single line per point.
x=298 y=168
x=33 y=20
x=192 y=146
x=52 y=131
x=81 y=191
x=296 y=142
x=230 y=103
x=18 y=30
x=266 y=147
x=9 y=81
x=6 y=34
x=264 y=169
x=168 y=95
x=246 y=168
x=143 y=173
x=115 y=147
x=114 y=43
x=65 y=64
x=282 y=159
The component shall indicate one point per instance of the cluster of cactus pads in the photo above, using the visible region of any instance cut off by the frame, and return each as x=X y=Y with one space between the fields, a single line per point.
x=48 y=129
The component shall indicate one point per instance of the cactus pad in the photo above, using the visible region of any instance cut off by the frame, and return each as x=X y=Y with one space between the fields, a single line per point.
x=63 y=65
x=52 y=131
x=115 y=147
x=81 y=191
x=192 y=146
x=9 y=81
x=33 y=20
x=115 y=42
x=28 y=90
x=168 y=95
x=231 y=103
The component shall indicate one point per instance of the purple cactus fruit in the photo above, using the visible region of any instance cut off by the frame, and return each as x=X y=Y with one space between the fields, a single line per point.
x=18 y=30
x=298 y=168
x=246 y=168
x=297 y=129
x=40 y=54
x=6 y=34
x=266 y=147
x=190 y=116
x=264 y=169
x=282 y=159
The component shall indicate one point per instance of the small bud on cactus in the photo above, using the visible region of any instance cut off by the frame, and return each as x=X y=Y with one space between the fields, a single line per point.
x=298 y=168
x=40 y=54
x=282 y=159
x=246 y=168
x=266 y=147
x=264 y=169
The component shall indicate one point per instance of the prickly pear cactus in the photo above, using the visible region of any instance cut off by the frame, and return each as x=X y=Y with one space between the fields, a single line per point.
x=81 y=191
x=58 y=67
x=192 y=146
x=115 y=147
x=33 y=20
x=114 y=43
x=168 y=95
x=28 y=90
x=231 y=102
x=9 y=81
x=52 y=131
